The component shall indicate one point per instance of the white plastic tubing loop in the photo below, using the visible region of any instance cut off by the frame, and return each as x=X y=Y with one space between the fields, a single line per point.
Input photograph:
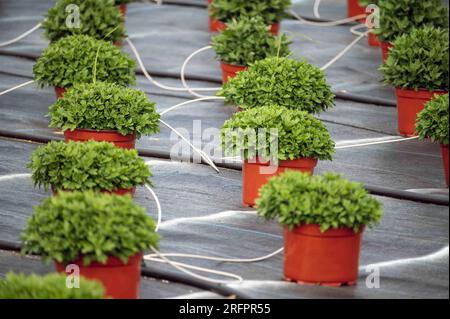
x=327 y=24
x=20 y=37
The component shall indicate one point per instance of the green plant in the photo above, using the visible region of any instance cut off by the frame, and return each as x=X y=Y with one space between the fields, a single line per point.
x=51 y=286
x=88 y=225
x=271 y=11
x=87 y=165
x=105 y=106
x=432 y=122
x=97 y=18
x=398 y=17
x=280 y=81
x=298 y=134
x=365 y=3
x=117 y=2
x=419 y=60
x=330 y=201
x=71 y=60
x=248 y=40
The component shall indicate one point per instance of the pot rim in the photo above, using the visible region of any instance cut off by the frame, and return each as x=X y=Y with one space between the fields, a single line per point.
x=91 y=130
x=313 y=230
x=112 y=261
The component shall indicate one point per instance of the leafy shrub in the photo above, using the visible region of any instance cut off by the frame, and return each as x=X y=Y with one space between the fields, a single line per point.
x=432 y=122
x=71 y=60
x=88 y=225
x=270 y=10
x=117 y=2
x=419 y=60
x=300 y=135
x=105 y=106
x=98 y=18
x=330 y=201
x=398 y=17
x=87 y=165
x=248 y=40
x=280 y=81
x=51 y=286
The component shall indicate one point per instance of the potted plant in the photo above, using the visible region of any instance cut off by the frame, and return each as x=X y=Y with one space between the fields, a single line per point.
x=103 y=234
x=355 y=8
x=323 y=219
x=71 y=60
x=94 y=165
x=418 y=67
x=51 y=286
x=432 y=123
x=300 y=139
x=398 y=17
x=100 y=19
x=272 y=11
x=244 y=42
x=122 y=5
x=372 y=38
x=104 y=112
x=280 y=81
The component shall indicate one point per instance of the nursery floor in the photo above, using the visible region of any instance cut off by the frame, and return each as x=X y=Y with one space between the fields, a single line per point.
x=202 y=212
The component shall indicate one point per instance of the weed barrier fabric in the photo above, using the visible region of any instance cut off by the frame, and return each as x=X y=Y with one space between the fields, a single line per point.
x=202 y=210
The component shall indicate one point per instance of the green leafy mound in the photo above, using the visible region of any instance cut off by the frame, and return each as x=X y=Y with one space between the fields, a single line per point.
x=248 y=40
x=88 y=225
x=87 y=165
x=51 y=286
x=280 y=81
x=398 y=17
x=294 y=199
x=271 y=11
x=117 y=2
x=105 y=106
x=71 y=60
x=419 y=60
x=100 y=19
x=432 y=122
x=299 y=134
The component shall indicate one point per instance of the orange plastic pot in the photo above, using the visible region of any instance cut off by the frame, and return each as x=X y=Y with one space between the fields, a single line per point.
x=82 y=135
x=121 y=281
x=230 y=70
x=330 y=258
x=123 y=9
x=256 y=174
x=354 y=9
x=444 y=150
x=373 y=40
x=409 y=104
x=59 y=92
x=385 y=47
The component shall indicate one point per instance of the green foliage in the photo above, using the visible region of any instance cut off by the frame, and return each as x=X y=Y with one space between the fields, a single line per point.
x=398 y=17
x=248 y=40
x=299 y=134
x=271 y=11
x=419 y=60
x=365 y=3
x=100 y=19
x=432 y=122
x=88 y=225
x=71 y=60
x=280 y=81
x=87 y=165
x=105 y=106
x=117 y=2
x=330 y=201
x=51 y=286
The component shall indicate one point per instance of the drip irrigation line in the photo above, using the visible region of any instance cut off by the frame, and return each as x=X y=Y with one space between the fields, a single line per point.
x=20 y=37
x=158 y=273
x=407 y=195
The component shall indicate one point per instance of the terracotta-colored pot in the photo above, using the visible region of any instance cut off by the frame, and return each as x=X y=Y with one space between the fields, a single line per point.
x=82 y=135
x=330 y=258
x=444 y=150
x=59 y=91
x=385 y=47
x=121 y=281
x=354 y=9
x=255 y=174
x=409 y=104
x=123 y=9
x=216 y=26
x=373 y=40
x=230 y=70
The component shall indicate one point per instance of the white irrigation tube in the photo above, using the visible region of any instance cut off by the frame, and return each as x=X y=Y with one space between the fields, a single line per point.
x=377 y=143
x=327 y=24
x=316 y=8
x=16 y=87
x=190 y=102
x=20 y=37
x=344 y=51
x=158 y=206
x=357 y=27
x=153 y=81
